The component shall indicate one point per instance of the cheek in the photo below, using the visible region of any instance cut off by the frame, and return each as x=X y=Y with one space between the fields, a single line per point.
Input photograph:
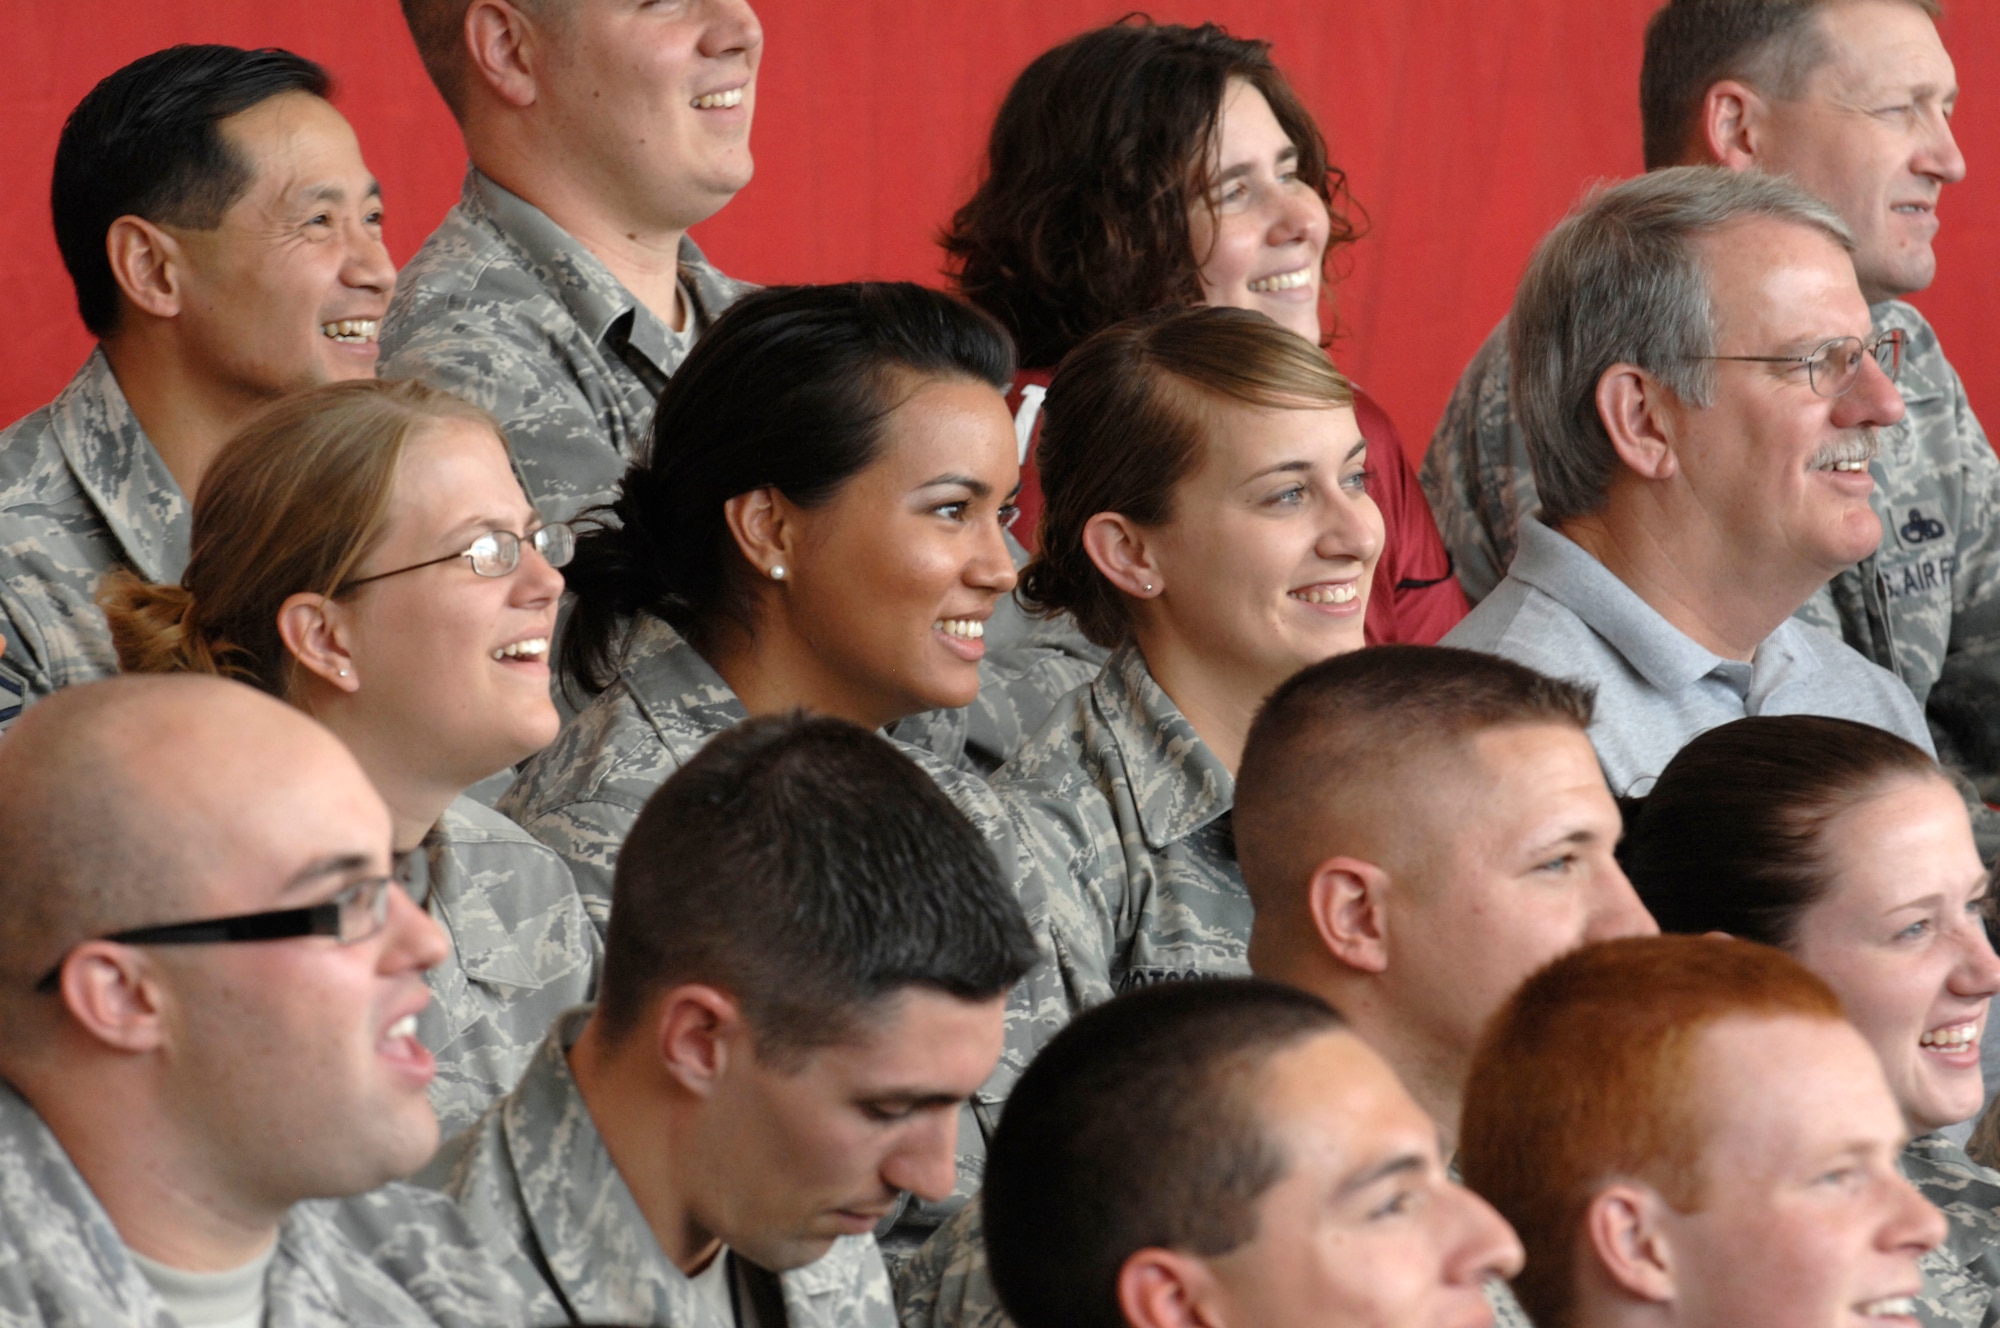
x=1225 y=274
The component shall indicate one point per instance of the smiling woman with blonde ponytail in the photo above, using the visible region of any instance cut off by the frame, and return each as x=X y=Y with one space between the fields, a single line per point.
x=364 y=552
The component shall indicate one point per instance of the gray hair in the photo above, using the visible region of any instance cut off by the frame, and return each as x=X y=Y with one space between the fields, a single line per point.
x=1620 y=281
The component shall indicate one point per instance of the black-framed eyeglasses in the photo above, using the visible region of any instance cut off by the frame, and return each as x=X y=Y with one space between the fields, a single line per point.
x=358 y=912
x=496 y=553
x=1835 y=366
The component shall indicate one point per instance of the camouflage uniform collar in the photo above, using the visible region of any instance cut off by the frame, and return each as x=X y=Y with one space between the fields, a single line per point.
x=597 y=300
x=118 y=469
x=670 y=683
x=1917 y=383
x=1177 y=784
x=547 y=1132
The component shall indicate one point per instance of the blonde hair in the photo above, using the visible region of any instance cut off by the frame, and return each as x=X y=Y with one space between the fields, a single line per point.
x=292 y=503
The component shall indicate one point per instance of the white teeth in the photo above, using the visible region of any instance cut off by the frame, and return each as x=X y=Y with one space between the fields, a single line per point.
x=1950 y=1039
x=354 y=331
x=406 y=1027
x=719 y=101
x=971 y=629
x=1850 y=454
x=1343 y=594
x=1283 y=281
x=1890 y=1307
x=532 y=648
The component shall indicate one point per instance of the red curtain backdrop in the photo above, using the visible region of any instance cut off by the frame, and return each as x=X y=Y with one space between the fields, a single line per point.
x=1466 y=126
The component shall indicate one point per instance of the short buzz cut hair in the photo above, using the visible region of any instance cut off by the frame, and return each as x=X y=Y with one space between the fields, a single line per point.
x=1623 y=280
x=1587 y=1074
x=1691 y=45
x=147 y=142
x=1363 y=722
x=808 y=869
x=1137 y=1128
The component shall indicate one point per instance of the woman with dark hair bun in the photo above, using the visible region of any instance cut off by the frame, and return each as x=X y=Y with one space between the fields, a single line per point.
x=364 y=552
x=1851 y=849
x=819 y=523
x=1145 y=166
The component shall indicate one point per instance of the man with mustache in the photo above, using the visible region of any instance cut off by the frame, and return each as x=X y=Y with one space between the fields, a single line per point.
x=1700 y=386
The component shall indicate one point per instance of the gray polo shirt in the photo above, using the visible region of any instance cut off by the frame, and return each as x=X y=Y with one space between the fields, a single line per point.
x=1564 y=613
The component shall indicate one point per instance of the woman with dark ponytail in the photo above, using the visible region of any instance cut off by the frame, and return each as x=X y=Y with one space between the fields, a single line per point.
x=1851 y=849
x=364 y=552
x=819 y=523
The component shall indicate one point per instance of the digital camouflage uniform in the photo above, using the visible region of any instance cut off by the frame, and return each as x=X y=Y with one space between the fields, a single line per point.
x=949 y=1285
x=1961 y=1276
x=81 y=491
x=63 y=1265
x=582 y=794
x=522 y=952
x=505 y=308
x=1926 y=605
x=539 y=1189
x=1119 y=802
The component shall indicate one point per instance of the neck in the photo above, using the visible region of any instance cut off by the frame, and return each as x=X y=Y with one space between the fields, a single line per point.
x=186 y=415
x=416 y=798
x=1697 y=584
x=644 y=255
x=167 y=1199
x=630 y=1103
x=773 y=670
x=1219 y=707
x=1434 y=1077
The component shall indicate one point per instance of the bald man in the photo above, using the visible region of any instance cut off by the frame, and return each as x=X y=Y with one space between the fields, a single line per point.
x=209 y=982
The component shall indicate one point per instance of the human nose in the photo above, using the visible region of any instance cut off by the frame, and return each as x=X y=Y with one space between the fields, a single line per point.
x=1914 y=1226
x=992 y=565
x=1619 y=912
x=924 y=1161
x=1873 y=401
x=1300 y=215
x=1978 y=972
x=1354 y=530
x=1483 y=1246
x=535 y=580
x=1939 y=156
x=368 y=266
x=733 y=29
x=412 y=938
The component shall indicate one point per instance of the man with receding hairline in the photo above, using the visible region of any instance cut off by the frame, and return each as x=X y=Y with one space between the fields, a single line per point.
x=563 y=291
x=1852 y=99
x=210 y=988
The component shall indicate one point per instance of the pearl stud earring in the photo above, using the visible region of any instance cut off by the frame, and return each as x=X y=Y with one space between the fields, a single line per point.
x=343 y=673
x=778 y=572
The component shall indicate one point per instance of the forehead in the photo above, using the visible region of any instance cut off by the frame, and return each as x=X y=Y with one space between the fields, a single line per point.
x=1879 y=45
x=917 y=1041
x=1242 y=439
x=1331 y=1102
x=295 y=142
x=1246 y=123
x=1518 y=777
x=1780 y=281
x=1771 y=1091
x=946 y=425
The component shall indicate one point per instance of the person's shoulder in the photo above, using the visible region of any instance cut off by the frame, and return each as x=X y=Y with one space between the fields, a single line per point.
x=466 y=255
x=847 y=1287
x=469 y=823
x=949 y=1283
x=401 y=1249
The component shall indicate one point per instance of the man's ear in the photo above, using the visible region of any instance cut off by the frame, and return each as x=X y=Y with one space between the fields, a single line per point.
x=1636 y=409
x=113 y=993
x=1168 y=1289
x=147 y=263
x=697 y=1029
x=1732 y=127
x=502 y=47
x=1118 y=546
x=1624 y=1228
x=1348 y=899
x=311 y=628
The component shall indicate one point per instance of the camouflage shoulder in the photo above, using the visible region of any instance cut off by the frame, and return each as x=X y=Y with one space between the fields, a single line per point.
x=948 y=1284
x=419 y=1240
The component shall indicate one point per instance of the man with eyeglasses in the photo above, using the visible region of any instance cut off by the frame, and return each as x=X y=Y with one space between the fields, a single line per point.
x=1852 y=99
x=209 y=983
x=1701 y=390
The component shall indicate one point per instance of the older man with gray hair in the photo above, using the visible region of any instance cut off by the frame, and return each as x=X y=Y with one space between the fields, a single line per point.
x=1700 y=387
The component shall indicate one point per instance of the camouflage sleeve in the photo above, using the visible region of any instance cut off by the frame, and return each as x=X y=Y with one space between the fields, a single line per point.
x=492 y=354
x=1476 y=473
x=23 y=677
x=947 y=1285
x=419 y=1239
x=586 y=835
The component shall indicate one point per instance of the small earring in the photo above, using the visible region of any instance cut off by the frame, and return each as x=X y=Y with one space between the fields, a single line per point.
x=343 y=672
x=1149 y=587
x=778 y=572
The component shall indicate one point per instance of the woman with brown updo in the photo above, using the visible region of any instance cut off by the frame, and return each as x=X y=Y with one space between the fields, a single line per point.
x=364 y=552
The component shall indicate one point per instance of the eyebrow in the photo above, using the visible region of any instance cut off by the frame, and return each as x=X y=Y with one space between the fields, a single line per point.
x=980 y=488
x=334 y=864
x=1289 y=152
x=330 y=192
x=1298 y=467
x=1402 y=1164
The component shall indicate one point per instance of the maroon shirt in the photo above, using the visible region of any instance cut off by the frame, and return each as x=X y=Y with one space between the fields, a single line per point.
x=1414 y=598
